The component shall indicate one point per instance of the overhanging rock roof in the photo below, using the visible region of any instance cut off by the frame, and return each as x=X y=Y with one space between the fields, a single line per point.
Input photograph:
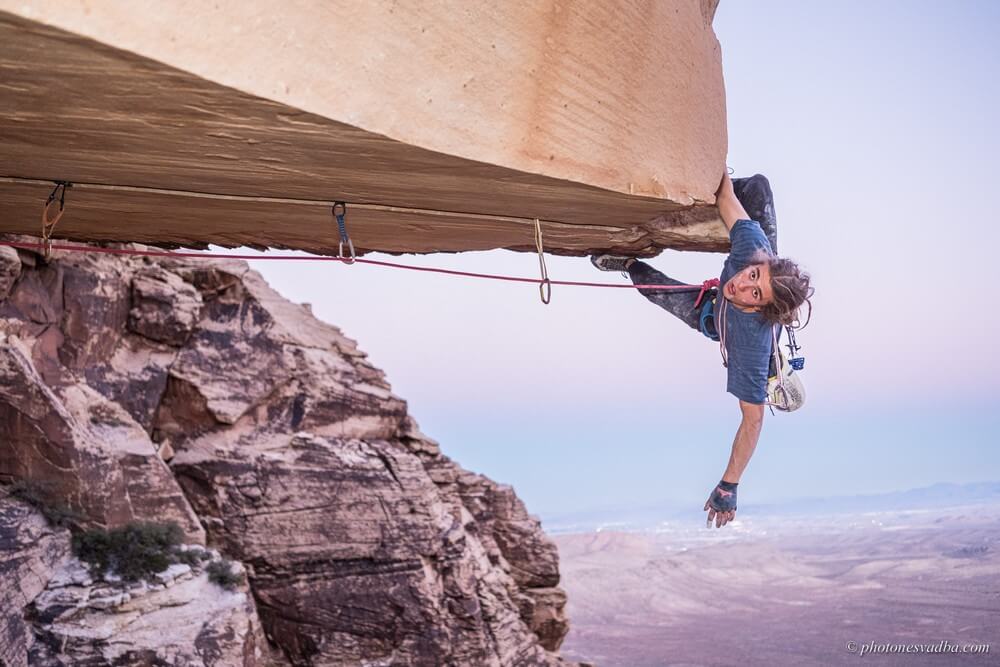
x=446 y=125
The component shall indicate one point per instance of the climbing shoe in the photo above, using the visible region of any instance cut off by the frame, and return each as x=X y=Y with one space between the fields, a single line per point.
x=610 y=262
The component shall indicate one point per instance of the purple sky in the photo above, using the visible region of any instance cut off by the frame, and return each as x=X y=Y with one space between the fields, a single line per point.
x=874 y=123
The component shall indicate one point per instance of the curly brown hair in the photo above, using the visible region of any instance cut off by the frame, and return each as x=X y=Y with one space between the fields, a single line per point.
x=791 y=288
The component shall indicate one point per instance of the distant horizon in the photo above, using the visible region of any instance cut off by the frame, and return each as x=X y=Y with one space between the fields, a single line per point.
x=669 y=506
x=687 y=520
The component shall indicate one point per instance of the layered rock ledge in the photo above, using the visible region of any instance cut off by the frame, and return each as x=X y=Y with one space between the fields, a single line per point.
x=446 y=125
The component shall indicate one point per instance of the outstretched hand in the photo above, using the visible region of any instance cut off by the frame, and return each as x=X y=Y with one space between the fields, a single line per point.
x=721 y=505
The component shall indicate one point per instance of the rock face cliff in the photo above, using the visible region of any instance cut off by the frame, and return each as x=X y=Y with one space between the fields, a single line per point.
x=56 y=612
x=189 y=391
x=445 y=125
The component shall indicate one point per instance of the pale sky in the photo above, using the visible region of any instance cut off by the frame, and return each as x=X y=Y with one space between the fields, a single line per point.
x=875 y=124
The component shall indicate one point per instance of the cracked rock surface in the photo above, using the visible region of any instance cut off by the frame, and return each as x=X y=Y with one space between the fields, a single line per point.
x=178 y=618
x=190 y=391
x=30 y=553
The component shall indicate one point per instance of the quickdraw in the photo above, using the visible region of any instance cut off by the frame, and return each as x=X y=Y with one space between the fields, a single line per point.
x=797 y=363
x=48 y=224
x=344 y=237
x=545 y=285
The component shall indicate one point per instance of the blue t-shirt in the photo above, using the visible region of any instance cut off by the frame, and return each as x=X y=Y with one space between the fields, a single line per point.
x=748 y=335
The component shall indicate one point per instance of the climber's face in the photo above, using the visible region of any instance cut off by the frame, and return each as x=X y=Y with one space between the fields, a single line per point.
x=750 y=289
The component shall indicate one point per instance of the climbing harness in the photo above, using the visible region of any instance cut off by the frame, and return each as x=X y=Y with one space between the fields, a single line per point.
x=344 y=238
x=48 y=224
x=706 y=319
x=706 y=286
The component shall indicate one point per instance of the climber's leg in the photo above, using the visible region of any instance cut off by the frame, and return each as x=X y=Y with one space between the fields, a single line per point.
x=758 y=200
x=679 y=303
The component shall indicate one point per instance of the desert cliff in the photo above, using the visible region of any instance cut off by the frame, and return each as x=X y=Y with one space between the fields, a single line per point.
x=189 y=392
x=444 y=125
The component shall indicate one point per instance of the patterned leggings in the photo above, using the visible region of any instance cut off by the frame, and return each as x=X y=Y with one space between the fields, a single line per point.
x=755 y=195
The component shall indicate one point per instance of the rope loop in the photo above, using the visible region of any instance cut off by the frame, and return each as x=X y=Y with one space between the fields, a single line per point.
x=545 y=291
x=344 y=237
x=545 y=286
x=49 y=223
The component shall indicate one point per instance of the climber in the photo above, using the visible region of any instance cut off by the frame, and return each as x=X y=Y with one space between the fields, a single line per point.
x=758 y=293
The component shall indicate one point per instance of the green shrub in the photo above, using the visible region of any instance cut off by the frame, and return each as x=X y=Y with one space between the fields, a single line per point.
x=140 y=550
x=134 y=551
x=39 y=496
x=221 y=572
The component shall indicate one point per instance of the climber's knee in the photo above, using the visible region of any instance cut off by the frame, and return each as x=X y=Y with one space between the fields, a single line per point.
x=756 y=186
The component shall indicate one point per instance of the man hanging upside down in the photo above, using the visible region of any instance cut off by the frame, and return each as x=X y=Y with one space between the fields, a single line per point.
x=758 y=291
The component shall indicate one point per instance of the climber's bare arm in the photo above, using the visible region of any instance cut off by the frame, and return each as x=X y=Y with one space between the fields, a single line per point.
x=730 y=208
x=745 y=441
x=743 y=447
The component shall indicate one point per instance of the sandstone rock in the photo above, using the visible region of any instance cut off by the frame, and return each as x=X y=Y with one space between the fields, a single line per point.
x=513 y=540
x=193 y=622
x=60 y=601
x=10 y=269
x=164 y=307
x=86 y=451
x=95 y=305
x=55 y=428
x=30 y=552
x=303 y=469
x=135 y=376
x=33 y=311
x=73 y=573
x=72 y=313
x=100 y=591
x=175 y=572
x=165 y=451
x=248 y=331
x=502 y=517
x=546 y=615
x=108 y=602
x=129 y=369
x=448 y=126
x=41 y=441
x=151 y=489
x=361 y=542
x=352 y=554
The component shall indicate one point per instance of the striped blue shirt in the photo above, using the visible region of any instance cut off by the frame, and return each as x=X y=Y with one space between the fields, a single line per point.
x=748 y=335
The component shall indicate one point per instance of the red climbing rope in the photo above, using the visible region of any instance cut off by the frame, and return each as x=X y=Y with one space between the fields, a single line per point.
x=322 y=258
